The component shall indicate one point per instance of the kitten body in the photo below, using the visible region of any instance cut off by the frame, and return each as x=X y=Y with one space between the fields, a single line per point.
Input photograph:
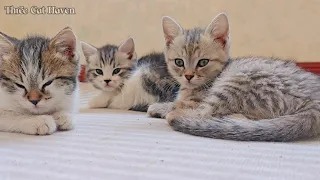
x=138 y=83
x=280 y=101
x=38 y=83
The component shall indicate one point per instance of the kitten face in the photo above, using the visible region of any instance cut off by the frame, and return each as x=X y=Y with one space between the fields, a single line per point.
x=39 y=75
x=109 y=66
x=196 y=56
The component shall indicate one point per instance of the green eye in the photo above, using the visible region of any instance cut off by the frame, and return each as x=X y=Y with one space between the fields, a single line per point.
x=99 y=71
x=203 y=62
x=116 y=71
x=179 y=62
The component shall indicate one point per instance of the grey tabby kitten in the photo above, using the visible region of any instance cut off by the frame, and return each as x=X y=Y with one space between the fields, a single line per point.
x=124 y=81
x=38 y=83
x=280 y=101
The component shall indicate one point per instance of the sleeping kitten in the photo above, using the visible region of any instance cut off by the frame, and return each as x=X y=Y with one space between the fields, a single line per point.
x=281 y=100
x=124 y=81
x=38 y=83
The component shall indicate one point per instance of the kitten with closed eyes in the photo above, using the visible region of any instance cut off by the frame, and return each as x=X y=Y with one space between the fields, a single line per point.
x=281 y=102
x=126 y=82
x=38 y=83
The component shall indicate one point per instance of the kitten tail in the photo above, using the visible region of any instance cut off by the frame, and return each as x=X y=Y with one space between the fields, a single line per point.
x=285 y=128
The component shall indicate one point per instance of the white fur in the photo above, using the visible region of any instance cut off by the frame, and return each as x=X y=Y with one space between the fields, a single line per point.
x=102 y=100
x=11 y=121
x=131 y=94
x=160 y=109
x=18 y=115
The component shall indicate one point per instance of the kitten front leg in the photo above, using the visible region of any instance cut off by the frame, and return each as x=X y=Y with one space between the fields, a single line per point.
x=186 y=104
x=101 y=101
x=27 y=124
x=64 y=120
x=181 y=108
x=160 y=110
x=209 y=108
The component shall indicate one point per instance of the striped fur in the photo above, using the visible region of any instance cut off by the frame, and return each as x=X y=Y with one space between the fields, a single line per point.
x=280 y=101
x=139 y=83
x=38 y=82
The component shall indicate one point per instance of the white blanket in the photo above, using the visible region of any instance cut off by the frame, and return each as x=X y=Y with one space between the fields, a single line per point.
x=111 y=144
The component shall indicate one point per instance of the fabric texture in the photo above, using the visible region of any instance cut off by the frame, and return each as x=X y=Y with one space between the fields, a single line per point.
x=115 y=144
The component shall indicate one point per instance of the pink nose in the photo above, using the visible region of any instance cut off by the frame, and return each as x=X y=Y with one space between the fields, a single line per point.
x=189 y=77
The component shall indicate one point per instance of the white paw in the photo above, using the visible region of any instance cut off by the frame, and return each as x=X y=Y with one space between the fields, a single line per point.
x=97 y=103
x=41 y=125
x=64 y=121
x=160 y=110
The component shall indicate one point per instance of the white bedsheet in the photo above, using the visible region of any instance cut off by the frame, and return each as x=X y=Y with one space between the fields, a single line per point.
x=111 y=144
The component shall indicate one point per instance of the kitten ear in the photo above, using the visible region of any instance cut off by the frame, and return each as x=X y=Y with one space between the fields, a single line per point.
x=6 y=46
x=87 y=49
x=171 y=29
x=128 y=48
x=218 y=29
x=65 y=42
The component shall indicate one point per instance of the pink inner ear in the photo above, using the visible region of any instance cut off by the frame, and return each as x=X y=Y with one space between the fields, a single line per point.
x=168 y=40
x=69 y=52
x=70 y=48
x=221 y=40
x=130 y=55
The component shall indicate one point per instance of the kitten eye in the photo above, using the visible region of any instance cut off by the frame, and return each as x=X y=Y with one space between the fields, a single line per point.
x=179 y=62
x=116 y=71
x=99 y=71
x=20 y=86
x=203 y=62
x=47 y=84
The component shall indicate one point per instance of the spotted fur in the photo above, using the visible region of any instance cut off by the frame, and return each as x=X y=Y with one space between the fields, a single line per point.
x=138 y=84
x=280 y=101
x=38 y=82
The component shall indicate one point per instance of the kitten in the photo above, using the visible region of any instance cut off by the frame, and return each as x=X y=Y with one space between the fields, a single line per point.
x=125 y=82
x=281 y=100
x=38 y=83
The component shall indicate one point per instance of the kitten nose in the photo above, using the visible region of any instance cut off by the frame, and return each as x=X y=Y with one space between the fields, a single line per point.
x=34 y=97
x=189 y=77
x=35 y=102
x=107 y=81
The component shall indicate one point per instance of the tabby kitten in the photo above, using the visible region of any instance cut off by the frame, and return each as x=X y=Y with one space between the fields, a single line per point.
x=280 y=101
x=38 y=83
x=124 y=81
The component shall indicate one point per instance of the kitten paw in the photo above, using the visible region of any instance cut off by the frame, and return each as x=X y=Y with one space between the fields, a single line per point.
x=97 y=103
x=64 y=121
x=42 y=125
x=174 y=115
x=159 y=110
